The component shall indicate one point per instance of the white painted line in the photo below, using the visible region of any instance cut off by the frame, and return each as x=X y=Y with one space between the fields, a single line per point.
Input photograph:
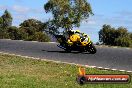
x=51 y=42
x=115 y=47
x=72 y=63
x=34 y=58
x=19 y=55
x=129 y=71
x=80 y=65
x=6 y=39
x=106 y=68
x=86 y=65
x=92 y=66
x=100 y=67
x=34 y=41
x=114 y=69
x=122 y=70
x=21 y=40
x=128 y=48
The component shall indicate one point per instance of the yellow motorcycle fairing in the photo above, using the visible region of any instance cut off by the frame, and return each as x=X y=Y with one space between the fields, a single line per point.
x=69 y=42
x=85 y=42
x=75 y=38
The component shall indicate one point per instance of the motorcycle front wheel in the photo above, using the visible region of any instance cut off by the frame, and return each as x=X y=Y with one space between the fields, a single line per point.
x=91 y=49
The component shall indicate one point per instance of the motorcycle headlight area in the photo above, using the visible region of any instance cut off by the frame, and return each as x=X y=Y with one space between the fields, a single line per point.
x=86 y=40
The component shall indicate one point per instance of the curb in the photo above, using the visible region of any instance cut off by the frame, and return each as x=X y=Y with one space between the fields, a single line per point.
x=87 y=66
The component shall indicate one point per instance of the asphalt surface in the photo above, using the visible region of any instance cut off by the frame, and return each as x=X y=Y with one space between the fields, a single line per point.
x=114 y=58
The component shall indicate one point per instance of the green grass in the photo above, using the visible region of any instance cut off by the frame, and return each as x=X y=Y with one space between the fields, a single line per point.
x=18 y=72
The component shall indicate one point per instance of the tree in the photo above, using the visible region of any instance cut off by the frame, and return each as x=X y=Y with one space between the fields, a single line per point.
x=31 y=29
x=122 y=32
x=131 y=36
x=68 y=13
x=37 y=25
x=7 y=19
x=124 y=41
x=107 y=35
x=5 y=22
x=14 y=33
x=41 y=37
x=1 y=22
x=115 y=37
x=1 y=30
x=50 y=28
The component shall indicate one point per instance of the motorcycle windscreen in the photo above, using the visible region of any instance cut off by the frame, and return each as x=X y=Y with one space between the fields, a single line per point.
x=85 y=41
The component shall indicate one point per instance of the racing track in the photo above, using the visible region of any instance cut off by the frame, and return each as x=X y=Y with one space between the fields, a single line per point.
x=114 y=58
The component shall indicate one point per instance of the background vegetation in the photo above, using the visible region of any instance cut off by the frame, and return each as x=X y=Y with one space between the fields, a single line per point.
x=115 y=37
x=31 y=29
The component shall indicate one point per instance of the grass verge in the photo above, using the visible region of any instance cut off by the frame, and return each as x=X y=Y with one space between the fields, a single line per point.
x=18 y=72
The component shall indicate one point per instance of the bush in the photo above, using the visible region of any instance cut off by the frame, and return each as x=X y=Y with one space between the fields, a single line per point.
x=41 y=37
x=115 y=37
x=32 y=30
x=14 y=33
x=3 y=34
x=124 y=41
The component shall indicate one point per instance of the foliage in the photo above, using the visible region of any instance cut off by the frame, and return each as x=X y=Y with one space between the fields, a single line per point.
x=7 y=19
x=130 y=35
x=41 y=37
x=33 y=24
x=1 y=25
x=1 y=22
x=50 y=28
x=14 y=33
x=106 y=35
x=123 y=41
x=5 y=22
x=68 y=13
x=116 y=37
x=32 y=29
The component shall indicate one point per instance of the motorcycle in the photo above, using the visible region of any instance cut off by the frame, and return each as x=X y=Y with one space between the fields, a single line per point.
x=76 y=42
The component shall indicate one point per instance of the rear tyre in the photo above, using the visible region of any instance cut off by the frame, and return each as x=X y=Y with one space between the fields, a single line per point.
x=67 y=50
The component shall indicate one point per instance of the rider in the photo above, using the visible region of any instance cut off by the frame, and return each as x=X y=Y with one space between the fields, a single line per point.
x=69 y=36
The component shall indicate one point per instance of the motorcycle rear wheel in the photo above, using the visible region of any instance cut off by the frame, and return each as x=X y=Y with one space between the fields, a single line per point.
x=67 y=50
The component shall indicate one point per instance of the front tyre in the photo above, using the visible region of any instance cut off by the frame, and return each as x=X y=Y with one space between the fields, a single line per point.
x=92 y=49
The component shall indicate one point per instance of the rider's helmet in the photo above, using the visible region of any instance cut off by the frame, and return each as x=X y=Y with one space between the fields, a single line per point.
x=77 y=31
x=85 y=35
x=71 y=32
